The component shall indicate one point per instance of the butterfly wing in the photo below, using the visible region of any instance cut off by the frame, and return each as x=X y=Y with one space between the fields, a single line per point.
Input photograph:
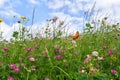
x=74 y=37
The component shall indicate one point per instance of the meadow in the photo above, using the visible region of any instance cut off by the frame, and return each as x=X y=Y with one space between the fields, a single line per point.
x=93 y=54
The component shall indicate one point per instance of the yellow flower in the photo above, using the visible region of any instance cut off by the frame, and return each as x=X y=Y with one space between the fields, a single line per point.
x=113 y=58
x=23 y=18
x=1 y=20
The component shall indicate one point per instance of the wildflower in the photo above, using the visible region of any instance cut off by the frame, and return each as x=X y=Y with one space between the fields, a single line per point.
x=83 y=71
x=32 y=59
x=36 y=47
x=13 y=66
x=93 y=70
x=95 y=53
x=28 y=49
x=110 y=52
x=10 y=78
x=113 y=71
x=61 y=23
x=22 y=64
x=100 y=58
x=23 y=18
x=86 y=60
x=5 y=49
x=59 y=57
x=76 y=53
x=47 y=79
x=57 y=47
x=1 y=20
x=113 y=58
x=16 y=70
x=54 y=18
x=104 y=46
x=62 y=51
x=64 y=60
x=33 y=68
x=56 y=50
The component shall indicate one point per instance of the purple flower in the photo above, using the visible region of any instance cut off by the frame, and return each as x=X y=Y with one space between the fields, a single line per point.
x=56 y=50
x=28 y=49
x=5 y=49
x=47 y=79
x=110 y=52
x=16 y=70
x=113 y=71
x=10 y=78
x=62 y=51
x=59 y=57
x=13 y=66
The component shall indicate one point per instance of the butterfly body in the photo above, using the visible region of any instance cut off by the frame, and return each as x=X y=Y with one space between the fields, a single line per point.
x=76 y=36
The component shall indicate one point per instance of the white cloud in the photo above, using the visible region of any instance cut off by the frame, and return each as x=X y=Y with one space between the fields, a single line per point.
x=9 y=13
x=34 y=2
x=2 y=2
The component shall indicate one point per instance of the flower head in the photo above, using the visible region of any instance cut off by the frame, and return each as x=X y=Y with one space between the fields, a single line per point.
x=62 y=51
x=1 y=20
x=28 y=49
x=16 y=70
x=32 y=59
x=113 y=71
x=95 y=53
x=47 y=79
x=59 y=57
x=10 y=78
x=54 y=18
x=110 y=52
x=76 y=53
x=23 y=18
x=5 y=49
x=13 y=66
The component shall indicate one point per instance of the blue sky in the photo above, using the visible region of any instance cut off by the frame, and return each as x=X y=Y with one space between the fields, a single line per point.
x=71 y=10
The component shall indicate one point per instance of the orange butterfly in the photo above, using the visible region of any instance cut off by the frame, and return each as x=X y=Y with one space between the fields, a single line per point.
x=76 y=36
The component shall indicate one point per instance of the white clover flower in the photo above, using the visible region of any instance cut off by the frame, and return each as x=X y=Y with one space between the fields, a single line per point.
x=95 y=53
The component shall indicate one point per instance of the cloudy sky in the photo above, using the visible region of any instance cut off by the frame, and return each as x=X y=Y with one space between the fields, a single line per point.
x=70 y=10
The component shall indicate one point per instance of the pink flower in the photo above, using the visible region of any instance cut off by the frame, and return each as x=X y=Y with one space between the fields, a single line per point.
x=16 y=70
x=76 y=53
x=28 y=49
x=5 y=49
x=104 y=46
x=113 y=71
x=32 y=59
x=13 y=66
x=59 y=57
x=62 y=51
x=56 y=50
x=57 y=47
x=110 y=52
x=36 y=47
x=86 y=60
x=47 y=79
x=10 y=78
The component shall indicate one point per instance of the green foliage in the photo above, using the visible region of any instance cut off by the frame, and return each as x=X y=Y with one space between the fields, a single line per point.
x=38 y=58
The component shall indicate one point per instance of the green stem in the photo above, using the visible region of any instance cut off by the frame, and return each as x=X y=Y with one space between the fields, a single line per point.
x=28 y=76
x=49 y=57
x=63 y=71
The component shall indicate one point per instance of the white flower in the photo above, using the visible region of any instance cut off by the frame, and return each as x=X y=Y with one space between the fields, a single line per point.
x=95 y=53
